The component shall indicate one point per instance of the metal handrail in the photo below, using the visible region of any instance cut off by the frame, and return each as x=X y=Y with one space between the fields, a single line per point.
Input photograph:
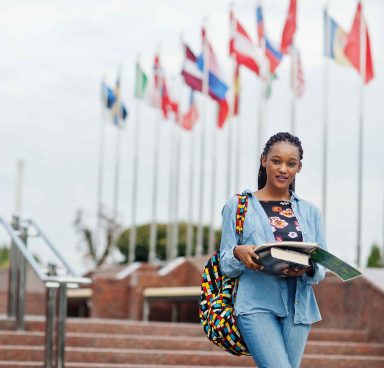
x=53 y=248
x=18 y=233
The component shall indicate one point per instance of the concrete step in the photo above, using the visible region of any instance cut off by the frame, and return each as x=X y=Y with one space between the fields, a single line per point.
x=121 y=341
x=179 y=357
x=106 y=326
x=15 y=364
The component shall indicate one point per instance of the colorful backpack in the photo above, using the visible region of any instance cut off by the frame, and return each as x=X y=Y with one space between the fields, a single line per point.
x=217 y=298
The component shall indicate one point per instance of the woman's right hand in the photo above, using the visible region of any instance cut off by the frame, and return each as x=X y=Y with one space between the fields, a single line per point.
x=246 y=254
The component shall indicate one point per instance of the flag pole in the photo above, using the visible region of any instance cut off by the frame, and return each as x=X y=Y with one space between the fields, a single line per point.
x=117 y=156
x=175 y=233
x=262 y=80
x=19 y=186
x=191 y=193
x=189 y=230
x=100 y=174
x=231 y=121
x=205 y=90
x=153 y=227
x=136 y=138
x=293 y=86
x=211 y=244
x=325 y=113
x=237 y=129
x=171 y=195
x=361 y=132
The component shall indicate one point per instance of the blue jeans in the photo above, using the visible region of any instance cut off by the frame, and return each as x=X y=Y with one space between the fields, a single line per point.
x=274 y=342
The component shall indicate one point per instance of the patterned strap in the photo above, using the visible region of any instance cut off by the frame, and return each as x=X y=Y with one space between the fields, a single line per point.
x=242 y=206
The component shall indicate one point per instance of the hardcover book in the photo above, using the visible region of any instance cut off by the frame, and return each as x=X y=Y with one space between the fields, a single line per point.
x=275 y=257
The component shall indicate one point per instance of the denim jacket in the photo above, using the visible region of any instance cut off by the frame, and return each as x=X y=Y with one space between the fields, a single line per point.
x=258 y=291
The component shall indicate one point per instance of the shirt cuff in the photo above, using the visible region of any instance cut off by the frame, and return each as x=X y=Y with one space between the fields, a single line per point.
x=236 y=262
x=310 y=277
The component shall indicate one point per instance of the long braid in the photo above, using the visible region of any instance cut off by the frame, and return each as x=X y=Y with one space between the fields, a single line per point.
x=278 y=137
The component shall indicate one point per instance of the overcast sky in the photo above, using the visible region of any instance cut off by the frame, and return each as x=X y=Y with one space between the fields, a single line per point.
x=54 y=54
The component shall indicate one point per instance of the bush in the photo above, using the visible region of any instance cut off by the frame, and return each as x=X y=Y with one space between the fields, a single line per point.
x=375 y=259
x=142 y=241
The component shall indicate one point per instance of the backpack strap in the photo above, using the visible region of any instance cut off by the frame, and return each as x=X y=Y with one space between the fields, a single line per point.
x=242 y=206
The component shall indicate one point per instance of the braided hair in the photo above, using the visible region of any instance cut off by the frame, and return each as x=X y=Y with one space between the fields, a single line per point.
x=278 y=137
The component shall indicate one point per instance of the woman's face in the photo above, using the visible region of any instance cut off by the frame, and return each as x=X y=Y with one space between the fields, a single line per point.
x=282 y=163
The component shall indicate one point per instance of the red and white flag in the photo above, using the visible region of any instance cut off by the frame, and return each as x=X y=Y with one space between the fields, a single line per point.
x=352 y=46
x=167 y=104
x=297 y=75
x=158 y=94
x=188 y=119
x=241 y=46
x=289 y=28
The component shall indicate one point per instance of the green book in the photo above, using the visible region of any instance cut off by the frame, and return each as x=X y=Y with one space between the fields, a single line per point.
x=332 y=263
x=312 y=250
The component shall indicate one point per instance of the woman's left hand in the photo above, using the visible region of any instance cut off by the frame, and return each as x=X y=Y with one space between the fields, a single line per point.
x=295 y=271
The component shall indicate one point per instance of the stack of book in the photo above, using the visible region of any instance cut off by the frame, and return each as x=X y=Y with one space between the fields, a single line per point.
x=276 y=257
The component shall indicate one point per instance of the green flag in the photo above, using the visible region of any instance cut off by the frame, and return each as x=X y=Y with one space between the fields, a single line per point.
x=141 y=82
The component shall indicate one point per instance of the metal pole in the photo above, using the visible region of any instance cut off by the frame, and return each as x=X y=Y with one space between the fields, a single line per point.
x=325 y=116
x=61 y=325
x=132 y=234
x=360 y=135
x=50 y=325
x=211 y=244
x=117 y=179
x=230 y=131
x=205 y=89
x=261 y=128
x=100 y=176
x=153 y=228
x=238 y=134
x=13 y=272
x=22 y=276
x=293 y=85
x=171 y=195
x=191 y=193
x=175 y=238
x=19 y=186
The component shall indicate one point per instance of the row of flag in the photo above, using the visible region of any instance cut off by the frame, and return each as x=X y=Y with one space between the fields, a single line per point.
x=262 y=58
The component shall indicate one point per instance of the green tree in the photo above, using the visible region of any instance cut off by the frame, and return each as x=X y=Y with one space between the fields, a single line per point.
x=4 y=256
x=375 y=259
x=142 y=241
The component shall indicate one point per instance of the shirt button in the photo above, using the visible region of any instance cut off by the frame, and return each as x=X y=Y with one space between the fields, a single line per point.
x=297 y=302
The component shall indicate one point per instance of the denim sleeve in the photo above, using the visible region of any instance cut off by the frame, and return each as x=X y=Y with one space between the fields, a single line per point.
x=319 y=239
x=229 y=264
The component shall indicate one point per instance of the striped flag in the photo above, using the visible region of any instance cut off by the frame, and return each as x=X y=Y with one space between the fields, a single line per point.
x=192 y=73
x=335 y=39
x=297 y=76
x=260 y=24
x=273 y=54
x=241 y=46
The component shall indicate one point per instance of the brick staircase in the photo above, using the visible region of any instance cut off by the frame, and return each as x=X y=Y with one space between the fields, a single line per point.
x=96 y=343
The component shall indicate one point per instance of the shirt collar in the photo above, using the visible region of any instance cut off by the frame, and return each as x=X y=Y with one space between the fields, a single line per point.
x=251 y=193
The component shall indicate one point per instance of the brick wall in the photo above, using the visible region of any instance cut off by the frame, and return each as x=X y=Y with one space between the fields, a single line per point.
x=354 y=304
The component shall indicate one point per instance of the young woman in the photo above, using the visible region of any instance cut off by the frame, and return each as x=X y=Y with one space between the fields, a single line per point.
x=274 y=313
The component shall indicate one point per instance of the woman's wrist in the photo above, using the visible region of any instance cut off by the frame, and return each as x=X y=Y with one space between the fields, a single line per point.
x=234 y=252
x=311 y=271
